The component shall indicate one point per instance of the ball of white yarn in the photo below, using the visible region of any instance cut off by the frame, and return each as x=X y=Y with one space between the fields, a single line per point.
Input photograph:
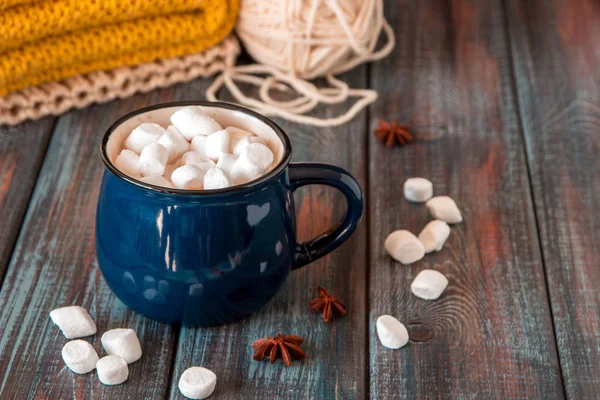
x=298 y=40
x=311 y=38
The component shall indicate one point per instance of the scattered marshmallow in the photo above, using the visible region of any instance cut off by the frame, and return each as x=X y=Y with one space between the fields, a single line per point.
x=153 y=160
x=112 y=370
x=226 y=162
x=217 y=143
x=258 y=154
x=175 y=143
x=216 y=178
x=145 y=134
x=429 y=284
x=242 y=143
x=73 y=321
x=79 y=356
x=128 y=163
x=405 y=247
x=444 y=208
x=157 y=181
x=418 y=190
x=122 y=342
x=192 y=157
x=434 y=235
x=188 y=176
x=392 y=333
x=197 y=383
x=199 y=145
x=192 y=121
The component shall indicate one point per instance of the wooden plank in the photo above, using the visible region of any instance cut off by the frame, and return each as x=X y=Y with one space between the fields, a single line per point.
x=490 y=334
x=22 y=150
x=557 y=71
x=336 y=365
x=54 y=264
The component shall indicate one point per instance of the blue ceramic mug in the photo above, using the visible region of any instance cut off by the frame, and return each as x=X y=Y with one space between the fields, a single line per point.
x=209 y=257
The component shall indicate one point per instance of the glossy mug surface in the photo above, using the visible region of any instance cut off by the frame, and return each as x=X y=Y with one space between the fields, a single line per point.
x=209 y=257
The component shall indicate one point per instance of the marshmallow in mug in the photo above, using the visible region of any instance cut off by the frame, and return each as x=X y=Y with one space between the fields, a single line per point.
x=157 y=156
x=192 y=121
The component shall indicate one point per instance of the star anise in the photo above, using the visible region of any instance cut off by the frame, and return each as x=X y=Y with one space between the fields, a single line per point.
x=285 y=347
x=393 y=132
x=328 y=305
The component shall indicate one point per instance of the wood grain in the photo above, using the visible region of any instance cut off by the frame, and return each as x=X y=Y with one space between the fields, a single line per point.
x=22 y=150
x=54 y=264
x=557 y=70
x=490 y=334
x=336 y=367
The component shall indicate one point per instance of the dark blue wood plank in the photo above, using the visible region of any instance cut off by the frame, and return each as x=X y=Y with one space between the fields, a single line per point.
x=556 y=60
x=490 y=334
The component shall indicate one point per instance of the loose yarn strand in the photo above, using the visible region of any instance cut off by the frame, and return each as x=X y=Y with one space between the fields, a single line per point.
x=300 y=40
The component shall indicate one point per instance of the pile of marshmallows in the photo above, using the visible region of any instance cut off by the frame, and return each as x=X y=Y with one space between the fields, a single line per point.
x=194 y=153
x=407 y=248
x=123 y=348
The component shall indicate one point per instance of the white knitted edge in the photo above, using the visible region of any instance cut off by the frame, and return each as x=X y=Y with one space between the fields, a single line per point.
x=55 y=98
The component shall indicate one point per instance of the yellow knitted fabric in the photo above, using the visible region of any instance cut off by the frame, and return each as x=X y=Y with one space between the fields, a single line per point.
x=80 y=39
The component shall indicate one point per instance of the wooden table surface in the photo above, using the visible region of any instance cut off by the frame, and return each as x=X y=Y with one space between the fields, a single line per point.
x=504 y=99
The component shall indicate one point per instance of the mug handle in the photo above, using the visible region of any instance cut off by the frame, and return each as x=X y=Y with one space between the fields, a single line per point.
x=302 y=174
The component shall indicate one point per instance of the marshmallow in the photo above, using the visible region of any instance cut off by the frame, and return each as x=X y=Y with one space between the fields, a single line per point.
x=444 y=208
x=128 y=163
x=112 y=370
x=418 y=190
x=145 y=134
x=226 y=162
x=429 y=284
x=192 y=121
x=199 y=145
x=434 y=235
x=217 y=143
x=405 y=247
x=79 y=356
x=258 y=154
x=122 y=342
x=73 y=321
x=242 y=143
x=175 y=143
x=153 y=160
x=192 y=157
x=157 y=181
x=243 y=171
x=188 y=176
x=392 y=333
x=197 y=383
x=216 y=178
